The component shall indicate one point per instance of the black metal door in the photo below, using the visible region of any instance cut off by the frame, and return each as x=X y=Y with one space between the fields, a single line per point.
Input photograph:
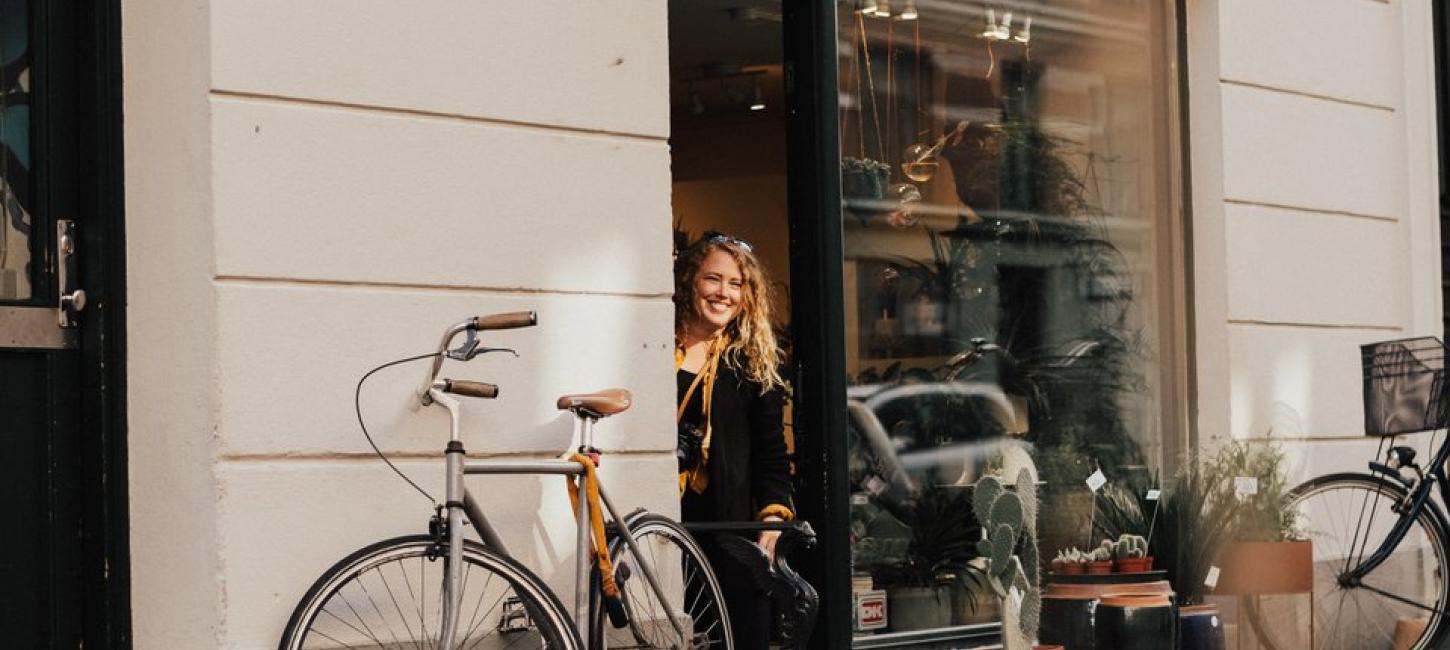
x=62 y=555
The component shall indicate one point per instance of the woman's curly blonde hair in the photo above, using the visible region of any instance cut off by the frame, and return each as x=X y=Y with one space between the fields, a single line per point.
x=750 y=346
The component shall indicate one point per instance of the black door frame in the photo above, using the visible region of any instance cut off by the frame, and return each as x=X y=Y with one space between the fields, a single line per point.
x=813 y=163
x=106 y=534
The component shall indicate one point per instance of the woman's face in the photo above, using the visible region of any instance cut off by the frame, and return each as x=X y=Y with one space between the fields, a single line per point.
x=718 y=288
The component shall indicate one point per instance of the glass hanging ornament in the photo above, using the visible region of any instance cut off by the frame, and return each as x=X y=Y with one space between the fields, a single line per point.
x=908 y=203
x=919 y=161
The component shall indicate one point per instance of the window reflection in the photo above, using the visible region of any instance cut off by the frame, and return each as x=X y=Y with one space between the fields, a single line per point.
x=1005 y=188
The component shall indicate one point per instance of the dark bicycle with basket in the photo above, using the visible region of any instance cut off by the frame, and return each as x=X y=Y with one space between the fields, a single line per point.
x=1380 y=539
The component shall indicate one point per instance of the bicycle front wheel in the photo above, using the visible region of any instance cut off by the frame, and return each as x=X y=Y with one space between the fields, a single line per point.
x=390 y=595
x=1398 y=605
x=690 y=590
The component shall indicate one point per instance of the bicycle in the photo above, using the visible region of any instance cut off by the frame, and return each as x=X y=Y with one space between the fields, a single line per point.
x=1380 y=541
x=440 y=592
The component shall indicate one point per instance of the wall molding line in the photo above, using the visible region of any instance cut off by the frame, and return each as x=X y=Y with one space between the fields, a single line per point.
x=1253 y=322
x=1323 y=211
x=461 y=118
x=1308 y=95
x=243 y=280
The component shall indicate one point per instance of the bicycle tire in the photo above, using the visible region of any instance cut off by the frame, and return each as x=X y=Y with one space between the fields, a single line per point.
x=402 y=611
x=682 y=566
x=1355 y=618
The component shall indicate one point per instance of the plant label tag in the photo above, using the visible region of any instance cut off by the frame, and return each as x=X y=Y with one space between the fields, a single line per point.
x=1014 y=598
x=1246 y=486
x=1153 y=495
x=1212 y=578
x=1097 y=481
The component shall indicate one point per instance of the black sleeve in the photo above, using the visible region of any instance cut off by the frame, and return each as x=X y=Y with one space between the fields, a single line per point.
x=770 y=468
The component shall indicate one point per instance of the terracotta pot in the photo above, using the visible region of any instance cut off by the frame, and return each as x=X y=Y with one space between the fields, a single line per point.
x=1099 y=568
x=1072 y=568
x=1047 y=647
x=1133 y=565
x=1266 y=568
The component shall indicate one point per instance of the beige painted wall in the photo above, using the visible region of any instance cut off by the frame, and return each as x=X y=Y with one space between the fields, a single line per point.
x=316 y=188
x=1315 y=226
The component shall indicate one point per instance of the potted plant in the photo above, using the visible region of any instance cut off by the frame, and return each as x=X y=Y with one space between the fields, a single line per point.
x=1099 y=562
x=1268 y=553
x=1070 y=561
x=927 y=570
x=1009 y=544
x=1130 y=554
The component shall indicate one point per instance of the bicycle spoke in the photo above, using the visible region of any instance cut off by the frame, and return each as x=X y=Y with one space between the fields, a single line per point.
x=402 y=618
x=1401 y=599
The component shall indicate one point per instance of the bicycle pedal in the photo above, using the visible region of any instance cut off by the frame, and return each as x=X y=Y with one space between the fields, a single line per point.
x=514 y=618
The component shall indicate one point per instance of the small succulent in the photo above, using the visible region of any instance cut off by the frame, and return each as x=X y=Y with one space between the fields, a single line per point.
x=1100 y=554
x=1071 y=556
x=1130 y=546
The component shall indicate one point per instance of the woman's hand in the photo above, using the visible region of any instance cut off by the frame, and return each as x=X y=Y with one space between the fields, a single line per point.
x=768 y=538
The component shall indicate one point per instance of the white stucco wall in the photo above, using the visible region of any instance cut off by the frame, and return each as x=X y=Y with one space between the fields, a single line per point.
x=1315 y=226
x=316 y=188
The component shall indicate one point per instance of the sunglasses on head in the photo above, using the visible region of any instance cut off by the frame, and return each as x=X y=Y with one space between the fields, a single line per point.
x=717 y=237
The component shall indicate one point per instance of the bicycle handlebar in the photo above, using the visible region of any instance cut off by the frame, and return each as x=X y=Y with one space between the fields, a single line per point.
x=470 y=388
x=507 y=320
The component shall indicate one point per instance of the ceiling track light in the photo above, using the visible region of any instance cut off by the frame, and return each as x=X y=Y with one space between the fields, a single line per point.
x=908 y=11
x=867 y=7
x=883 y=9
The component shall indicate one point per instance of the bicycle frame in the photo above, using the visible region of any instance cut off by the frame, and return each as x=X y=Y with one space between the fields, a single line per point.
x=460 y=504
x=1419 y=499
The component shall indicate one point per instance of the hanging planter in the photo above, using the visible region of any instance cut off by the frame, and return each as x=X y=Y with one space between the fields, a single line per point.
x=863 y=187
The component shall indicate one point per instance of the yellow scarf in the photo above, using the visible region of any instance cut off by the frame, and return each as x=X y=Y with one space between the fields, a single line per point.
x=696 y=477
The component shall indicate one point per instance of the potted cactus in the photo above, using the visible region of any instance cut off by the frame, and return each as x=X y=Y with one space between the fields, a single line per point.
x=1070 y=561
x=1009 y=523
x=1130 y=554
x=1099 y=561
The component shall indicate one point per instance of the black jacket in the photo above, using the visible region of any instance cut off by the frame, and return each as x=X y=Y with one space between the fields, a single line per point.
x=748 y=466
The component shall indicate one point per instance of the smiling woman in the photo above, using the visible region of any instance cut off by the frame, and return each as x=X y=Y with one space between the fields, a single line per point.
x=730 y=411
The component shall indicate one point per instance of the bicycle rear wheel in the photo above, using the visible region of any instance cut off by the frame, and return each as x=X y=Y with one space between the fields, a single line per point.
x=687 y=580
x=1347 y=517
x=389 y=595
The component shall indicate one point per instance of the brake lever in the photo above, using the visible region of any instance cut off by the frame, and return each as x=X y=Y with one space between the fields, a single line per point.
x=467 y=349
x=481 y=351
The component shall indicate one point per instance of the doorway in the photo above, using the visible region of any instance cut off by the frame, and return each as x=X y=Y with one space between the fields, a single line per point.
x=61 y=330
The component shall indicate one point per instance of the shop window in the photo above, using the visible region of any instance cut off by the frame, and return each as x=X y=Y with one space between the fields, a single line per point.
x=1009 y=204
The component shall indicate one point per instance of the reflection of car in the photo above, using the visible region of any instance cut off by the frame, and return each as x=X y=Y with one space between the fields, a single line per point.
x=944 y=433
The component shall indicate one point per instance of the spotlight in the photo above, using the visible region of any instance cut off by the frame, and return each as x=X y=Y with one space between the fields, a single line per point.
x=908 y=11
x=868 y=7
x=759 y=103
x=883 y=9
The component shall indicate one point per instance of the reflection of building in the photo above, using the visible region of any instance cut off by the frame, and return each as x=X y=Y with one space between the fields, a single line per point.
x=313 y=188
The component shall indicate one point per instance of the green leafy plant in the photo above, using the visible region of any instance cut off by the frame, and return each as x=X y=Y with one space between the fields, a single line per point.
x=1263 y=516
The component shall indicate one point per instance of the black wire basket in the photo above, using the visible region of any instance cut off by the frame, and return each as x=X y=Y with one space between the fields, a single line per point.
x=1404 y=386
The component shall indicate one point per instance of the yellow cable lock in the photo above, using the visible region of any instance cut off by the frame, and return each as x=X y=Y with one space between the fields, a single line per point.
x=612 y=602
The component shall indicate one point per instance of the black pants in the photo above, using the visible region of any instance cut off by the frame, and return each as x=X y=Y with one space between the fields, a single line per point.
x=748 y=607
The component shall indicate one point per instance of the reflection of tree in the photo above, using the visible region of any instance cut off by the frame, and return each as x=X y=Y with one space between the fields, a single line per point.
x=15 y=190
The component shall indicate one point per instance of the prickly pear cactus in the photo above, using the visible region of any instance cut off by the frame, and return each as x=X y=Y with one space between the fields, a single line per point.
x=1009 y=520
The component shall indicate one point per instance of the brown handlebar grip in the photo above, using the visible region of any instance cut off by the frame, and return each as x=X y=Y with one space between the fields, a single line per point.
x=507 y=321
x=470 y=388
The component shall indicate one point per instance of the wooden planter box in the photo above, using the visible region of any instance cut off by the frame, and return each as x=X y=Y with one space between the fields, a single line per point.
x=1266 y=568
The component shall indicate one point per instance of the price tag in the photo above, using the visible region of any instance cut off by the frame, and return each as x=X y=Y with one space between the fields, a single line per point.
x=1245 y=486
x=1097 y=481
x=860 y=499
x=1212 y=578
x=1153 y=495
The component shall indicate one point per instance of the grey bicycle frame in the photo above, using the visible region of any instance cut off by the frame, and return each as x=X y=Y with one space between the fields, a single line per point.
x=460 y=503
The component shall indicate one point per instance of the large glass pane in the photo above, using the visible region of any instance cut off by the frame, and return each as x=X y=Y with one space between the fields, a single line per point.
x=1008 y=178
x=17 y=270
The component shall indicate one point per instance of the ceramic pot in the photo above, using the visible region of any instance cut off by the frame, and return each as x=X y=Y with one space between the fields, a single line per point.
x=1200 y=628
x=1099 y=568
x=1068 y=620
x=1146 y=622
x=919 y=608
